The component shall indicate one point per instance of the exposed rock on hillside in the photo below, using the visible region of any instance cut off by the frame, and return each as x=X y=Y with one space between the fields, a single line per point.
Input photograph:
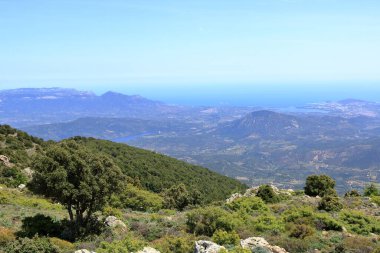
x=5 y=160
x=113 y=222
x=207 y=247
x=259 y=242
x=148 y=250
x=251 y=192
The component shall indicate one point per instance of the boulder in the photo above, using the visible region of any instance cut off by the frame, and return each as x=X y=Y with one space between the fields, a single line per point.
x=21 y=187
x=233 y=197
x=5 y=161
x=28 y=172
x=113 y=222
x=259 y=242
x=84 y=251
x=148 y=250
x=207 y=247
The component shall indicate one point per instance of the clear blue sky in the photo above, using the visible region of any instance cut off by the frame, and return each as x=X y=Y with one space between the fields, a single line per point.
x=126 y=44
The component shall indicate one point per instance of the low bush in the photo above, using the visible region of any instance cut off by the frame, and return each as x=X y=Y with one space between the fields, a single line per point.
x=248 y=205
x=62 y=244
x=34 y=245
x=184 y=244
x=226 y=238
x=301 y=231
x=205 y=221
x=138 y=199
x=371 y=190
x=360 y=223
x=352 y=193
x=40 y=225
x=6 y=236
x=330 y=203
x=129 y=244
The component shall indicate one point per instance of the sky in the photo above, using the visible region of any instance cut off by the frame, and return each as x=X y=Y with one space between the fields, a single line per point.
x=173 y=50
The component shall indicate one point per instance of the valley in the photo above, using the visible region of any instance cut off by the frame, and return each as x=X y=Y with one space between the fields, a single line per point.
x=252 y=144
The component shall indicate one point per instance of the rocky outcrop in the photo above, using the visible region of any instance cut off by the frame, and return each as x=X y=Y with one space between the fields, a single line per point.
x=259 y=242
x=113 y=222
x=28 y=172
x=207 y=247
x=5 y=160
x=84 y=251
x=252 y=192
x=148 y=250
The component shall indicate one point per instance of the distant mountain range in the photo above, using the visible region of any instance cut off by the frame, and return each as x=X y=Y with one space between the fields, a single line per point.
x=23 y=107
x=255 y=145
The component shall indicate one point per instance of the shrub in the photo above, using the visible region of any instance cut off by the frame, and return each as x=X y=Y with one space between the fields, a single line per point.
x=301 y=231
x=6 y=235
x=140 y=200
x=178 y=197
x=352 y=193
x=371 y=190
x=317 y=185
x=326 y=222
x=226 y=238
x=266 y=193
x=62 y=244
x=376 y=200
x=205 y=221
x=129 y=244
x=330 y=203
x=40 y=225
x=267 y=222
x=360 y=223
x=112 y=211
x=34 y=245
x=175 y=244
x=248 y=205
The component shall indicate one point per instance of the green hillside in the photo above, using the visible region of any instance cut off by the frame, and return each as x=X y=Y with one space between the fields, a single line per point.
x=155 y=172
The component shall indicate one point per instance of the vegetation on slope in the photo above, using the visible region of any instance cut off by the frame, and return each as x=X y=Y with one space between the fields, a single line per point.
x=158 y=172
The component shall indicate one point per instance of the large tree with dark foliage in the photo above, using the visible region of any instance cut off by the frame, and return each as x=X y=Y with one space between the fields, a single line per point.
x=81 y=181
x=319 y=185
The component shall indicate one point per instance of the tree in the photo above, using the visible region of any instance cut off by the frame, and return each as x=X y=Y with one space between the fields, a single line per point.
x=371 y=190
x=319 y=185
x=267 y=194
x=82 y=182
x=178 y=197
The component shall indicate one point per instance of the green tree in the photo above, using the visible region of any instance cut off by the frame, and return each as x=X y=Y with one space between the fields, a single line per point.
x=371 y=190
x=267 y=194
x=82 y=182
x=178 y=197
x=318 y=185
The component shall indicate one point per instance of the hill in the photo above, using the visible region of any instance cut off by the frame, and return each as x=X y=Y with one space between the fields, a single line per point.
x=155 y=172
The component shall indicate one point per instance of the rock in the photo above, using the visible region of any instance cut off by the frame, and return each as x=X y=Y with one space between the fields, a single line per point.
x=28 y=172
x=259 y=242
x=113 y=222
x=22 y=186
x=251 y=242
x=233 y=197
x=148 y=250
x=325 y=233
x=84 y=251
x=5 y=161
x=207 y=247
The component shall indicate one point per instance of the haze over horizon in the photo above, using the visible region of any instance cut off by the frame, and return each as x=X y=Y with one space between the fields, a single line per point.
x=269 y=53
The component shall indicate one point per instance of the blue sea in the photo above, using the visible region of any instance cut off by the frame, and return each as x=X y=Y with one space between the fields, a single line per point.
x=265 y=95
